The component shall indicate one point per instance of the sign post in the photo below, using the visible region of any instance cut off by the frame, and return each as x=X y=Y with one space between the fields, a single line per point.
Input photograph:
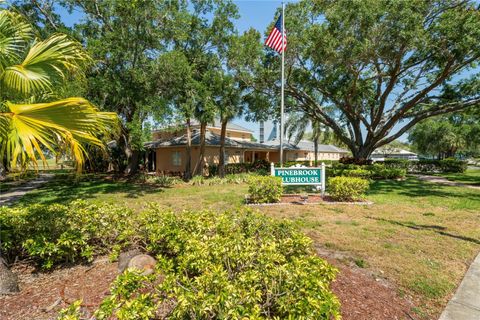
x=301 y=176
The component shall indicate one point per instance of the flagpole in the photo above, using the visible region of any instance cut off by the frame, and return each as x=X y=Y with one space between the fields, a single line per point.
x=283 y=84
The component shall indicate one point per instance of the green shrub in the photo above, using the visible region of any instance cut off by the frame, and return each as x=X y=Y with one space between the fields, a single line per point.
x=163 y=181
x=198 y=180
x=265 y=189
x=436 y=166
x=258 y=166
x=232 y=265
x=347 y=188
x=373 y=171
x=359 y=173
x=395 y=163
x=55 y=234
x=381 y=171
x=451 y=165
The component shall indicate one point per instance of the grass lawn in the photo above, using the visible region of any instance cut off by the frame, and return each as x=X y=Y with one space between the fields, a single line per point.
x=420 y=236
x=471 y=176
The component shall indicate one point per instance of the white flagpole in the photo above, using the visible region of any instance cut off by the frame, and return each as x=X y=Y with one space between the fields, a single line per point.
x=283 y=83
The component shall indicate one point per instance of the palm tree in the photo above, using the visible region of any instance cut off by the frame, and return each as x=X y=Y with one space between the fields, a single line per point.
x=205 y=114
x=296 y=127
x=30 y=70
x=228 y=102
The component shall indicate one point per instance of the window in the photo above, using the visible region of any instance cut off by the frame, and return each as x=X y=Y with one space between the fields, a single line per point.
x=176 y=158
x=226 y=157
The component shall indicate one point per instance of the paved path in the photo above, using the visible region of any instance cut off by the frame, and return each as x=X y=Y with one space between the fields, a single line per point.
x=12 y=195
x=465 y=304
x=442 y=180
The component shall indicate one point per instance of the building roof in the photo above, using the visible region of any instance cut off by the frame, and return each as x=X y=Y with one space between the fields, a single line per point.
x=306 y=145
x=218 y=124
x=230 y=125
x=382 y=151
x=211 y=139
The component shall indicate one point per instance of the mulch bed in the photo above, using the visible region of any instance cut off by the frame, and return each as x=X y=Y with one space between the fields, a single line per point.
x=43 y=294
x=297 y=199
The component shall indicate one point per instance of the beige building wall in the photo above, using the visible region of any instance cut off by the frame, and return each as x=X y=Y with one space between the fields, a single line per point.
x=165 y=157
x=235 y=135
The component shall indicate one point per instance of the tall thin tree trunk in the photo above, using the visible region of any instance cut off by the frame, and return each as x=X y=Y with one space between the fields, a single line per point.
x=3 y=171
x=221 y=163
x=200 y=162
x=188 y=161
x=315 y=149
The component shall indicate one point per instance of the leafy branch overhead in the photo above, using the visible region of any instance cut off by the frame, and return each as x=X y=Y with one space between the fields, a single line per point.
x=382 y=65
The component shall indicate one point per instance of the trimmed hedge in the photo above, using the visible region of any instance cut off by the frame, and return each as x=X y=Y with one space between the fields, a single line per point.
x=375 y=171
x=347 y=188
x=211 y=265
x=265 y=189
x=259 y=166
x=448 y=165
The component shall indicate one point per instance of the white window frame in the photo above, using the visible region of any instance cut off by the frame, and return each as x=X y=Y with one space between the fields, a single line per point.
x=176 y=158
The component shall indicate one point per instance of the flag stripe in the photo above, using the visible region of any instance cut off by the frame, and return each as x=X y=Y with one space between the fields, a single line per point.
x=275 y=39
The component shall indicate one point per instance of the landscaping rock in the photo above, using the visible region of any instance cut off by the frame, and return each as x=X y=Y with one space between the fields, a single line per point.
x=125 y=257
x=8 y=279
x=144 y=263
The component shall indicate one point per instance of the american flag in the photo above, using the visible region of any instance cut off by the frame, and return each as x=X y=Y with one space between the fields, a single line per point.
x=274 y=40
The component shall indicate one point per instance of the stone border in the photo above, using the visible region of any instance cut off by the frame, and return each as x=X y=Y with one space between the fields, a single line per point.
x=365 y=203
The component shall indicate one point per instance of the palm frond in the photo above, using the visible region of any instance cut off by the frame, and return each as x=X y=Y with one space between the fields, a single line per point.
x=45 y=63
x=33 y=128
x=15 y=33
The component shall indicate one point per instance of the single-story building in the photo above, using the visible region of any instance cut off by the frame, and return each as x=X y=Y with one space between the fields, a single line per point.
x=385 y=153
x=168 y=153
x=304 y=150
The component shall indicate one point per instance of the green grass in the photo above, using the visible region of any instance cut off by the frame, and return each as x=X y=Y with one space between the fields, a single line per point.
x=471 y=176
x=65 y=188
x=418 y=235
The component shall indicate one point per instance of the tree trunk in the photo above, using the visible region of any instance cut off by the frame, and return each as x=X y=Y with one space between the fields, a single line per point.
x=132 y=160
x=3 y=171
x=200 y=162
x=363 y=152
x=315 y=149
x=188 y=149
x=221 y=163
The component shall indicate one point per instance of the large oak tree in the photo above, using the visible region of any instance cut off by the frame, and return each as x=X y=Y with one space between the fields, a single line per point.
x=382 y=65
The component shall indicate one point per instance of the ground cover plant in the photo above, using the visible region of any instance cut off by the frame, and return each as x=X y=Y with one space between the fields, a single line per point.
x=211 y=265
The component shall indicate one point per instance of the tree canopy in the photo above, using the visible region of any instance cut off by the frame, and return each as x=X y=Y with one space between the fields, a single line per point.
x=383 y=66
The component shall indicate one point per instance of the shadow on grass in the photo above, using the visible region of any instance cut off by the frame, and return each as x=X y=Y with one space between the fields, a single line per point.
x=66 y=188
x=437 y=229
x=412 y=187
x=466 y=178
